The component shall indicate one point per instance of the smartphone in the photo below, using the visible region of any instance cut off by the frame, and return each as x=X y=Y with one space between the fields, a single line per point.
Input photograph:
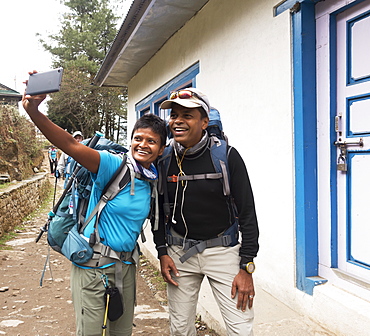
x=44 y=82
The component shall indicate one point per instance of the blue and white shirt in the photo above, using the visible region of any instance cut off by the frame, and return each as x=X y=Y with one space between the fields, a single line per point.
x=122 y=218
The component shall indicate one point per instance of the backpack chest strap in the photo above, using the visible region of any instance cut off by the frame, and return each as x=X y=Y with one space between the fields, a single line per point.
x=206 y=176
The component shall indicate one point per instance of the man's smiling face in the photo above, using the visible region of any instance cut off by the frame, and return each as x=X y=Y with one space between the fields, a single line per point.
x=187 y=125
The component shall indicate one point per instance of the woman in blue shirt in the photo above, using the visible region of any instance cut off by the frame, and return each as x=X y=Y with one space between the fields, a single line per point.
x=120 y=222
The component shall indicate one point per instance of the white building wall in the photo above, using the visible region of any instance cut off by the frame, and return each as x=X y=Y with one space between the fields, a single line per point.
x=245 y=69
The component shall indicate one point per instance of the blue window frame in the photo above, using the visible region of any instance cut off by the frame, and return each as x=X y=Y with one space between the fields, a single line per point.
x=144 y=111
x=151 y=103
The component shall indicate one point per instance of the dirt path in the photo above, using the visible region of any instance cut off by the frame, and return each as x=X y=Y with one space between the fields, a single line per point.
x=28 y=309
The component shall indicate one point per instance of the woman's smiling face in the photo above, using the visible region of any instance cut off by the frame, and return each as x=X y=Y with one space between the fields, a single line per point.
x=146 y=146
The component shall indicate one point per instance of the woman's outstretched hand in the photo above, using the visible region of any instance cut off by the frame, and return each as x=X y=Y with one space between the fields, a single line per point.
x=31 y=103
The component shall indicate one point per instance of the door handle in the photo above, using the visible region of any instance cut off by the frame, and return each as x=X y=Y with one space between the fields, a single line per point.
x=344 y=143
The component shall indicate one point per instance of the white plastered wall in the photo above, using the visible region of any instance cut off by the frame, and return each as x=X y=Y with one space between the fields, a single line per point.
x=245 y=69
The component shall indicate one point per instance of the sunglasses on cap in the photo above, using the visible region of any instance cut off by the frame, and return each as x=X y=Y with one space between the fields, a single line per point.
x=185 y=94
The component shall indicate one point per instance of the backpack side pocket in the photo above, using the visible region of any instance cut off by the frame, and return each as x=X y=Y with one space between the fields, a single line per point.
x=76 y=248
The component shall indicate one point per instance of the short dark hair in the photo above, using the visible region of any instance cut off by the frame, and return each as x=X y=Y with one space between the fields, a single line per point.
x=155 y=123
x=203 y=113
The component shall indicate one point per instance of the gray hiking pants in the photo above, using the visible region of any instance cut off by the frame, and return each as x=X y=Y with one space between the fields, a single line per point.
x=88 y=300
x=220 y=265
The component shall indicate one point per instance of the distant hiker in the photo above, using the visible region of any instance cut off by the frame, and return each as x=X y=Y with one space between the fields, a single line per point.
x=120 y=222
x=53 y=160
x=64 y=167
x=203 y=209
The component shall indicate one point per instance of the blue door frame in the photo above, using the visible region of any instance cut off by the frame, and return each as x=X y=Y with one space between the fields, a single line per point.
x=305 y=147
x=305 y=143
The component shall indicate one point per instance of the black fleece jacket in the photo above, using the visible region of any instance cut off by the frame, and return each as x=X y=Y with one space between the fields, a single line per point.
x=202 y=210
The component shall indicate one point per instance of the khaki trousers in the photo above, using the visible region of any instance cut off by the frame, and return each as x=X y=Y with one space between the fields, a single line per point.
x=88 y=300
x=220 y=265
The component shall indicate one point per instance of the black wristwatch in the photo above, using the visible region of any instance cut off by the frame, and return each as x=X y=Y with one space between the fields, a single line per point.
x=249 y=267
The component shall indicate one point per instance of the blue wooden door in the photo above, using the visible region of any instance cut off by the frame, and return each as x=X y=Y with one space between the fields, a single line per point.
x=353 y=139
x=343 y=72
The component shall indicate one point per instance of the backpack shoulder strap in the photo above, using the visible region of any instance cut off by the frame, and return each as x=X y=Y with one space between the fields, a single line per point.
x=117 y=182
x=163 y=165
x=219 y=155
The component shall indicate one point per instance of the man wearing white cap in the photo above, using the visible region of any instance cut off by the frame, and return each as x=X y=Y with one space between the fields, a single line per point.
x=198 y=232
x=63 y=168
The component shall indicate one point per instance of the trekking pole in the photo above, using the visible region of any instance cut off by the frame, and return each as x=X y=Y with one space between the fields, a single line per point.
x=45 y=227
x=42 y=230
x=55 y=189
x=92 y=142
x=104 y=279
x=104 y=326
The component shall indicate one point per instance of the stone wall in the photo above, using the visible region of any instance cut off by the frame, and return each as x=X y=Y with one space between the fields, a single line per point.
x=19 y=200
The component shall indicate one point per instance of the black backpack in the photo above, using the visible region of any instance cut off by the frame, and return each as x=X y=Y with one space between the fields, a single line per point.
x=219 y=151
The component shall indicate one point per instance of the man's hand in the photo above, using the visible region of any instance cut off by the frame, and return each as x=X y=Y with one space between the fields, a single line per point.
x=168 y=266
x=243 y=286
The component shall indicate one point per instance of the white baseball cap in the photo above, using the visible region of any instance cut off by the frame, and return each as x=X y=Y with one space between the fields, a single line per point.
x=188 y=97
x=77 y=133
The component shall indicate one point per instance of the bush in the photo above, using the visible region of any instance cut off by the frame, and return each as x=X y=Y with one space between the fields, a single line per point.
x=20 y=151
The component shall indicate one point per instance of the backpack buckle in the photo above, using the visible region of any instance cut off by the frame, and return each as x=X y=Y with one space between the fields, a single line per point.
x=173 y=178
x=226 y=240
x=191 y=242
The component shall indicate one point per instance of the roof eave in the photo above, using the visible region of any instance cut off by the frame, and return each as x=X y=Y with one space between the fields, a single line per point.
x=146 y=28
x=124 y=34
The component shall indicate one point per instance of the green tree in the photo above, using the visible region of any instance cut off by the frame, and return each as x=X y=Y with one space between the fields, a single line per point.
x=87 y=30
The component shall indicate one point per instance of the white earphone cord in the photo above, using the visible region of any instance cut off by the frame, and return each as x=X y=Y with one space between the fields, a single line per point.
x=182 y=213
x=181 y=173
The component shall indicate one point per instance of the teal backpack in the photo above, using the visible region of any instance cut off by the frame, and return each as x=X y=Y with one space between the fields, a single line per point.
x=67 y=219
